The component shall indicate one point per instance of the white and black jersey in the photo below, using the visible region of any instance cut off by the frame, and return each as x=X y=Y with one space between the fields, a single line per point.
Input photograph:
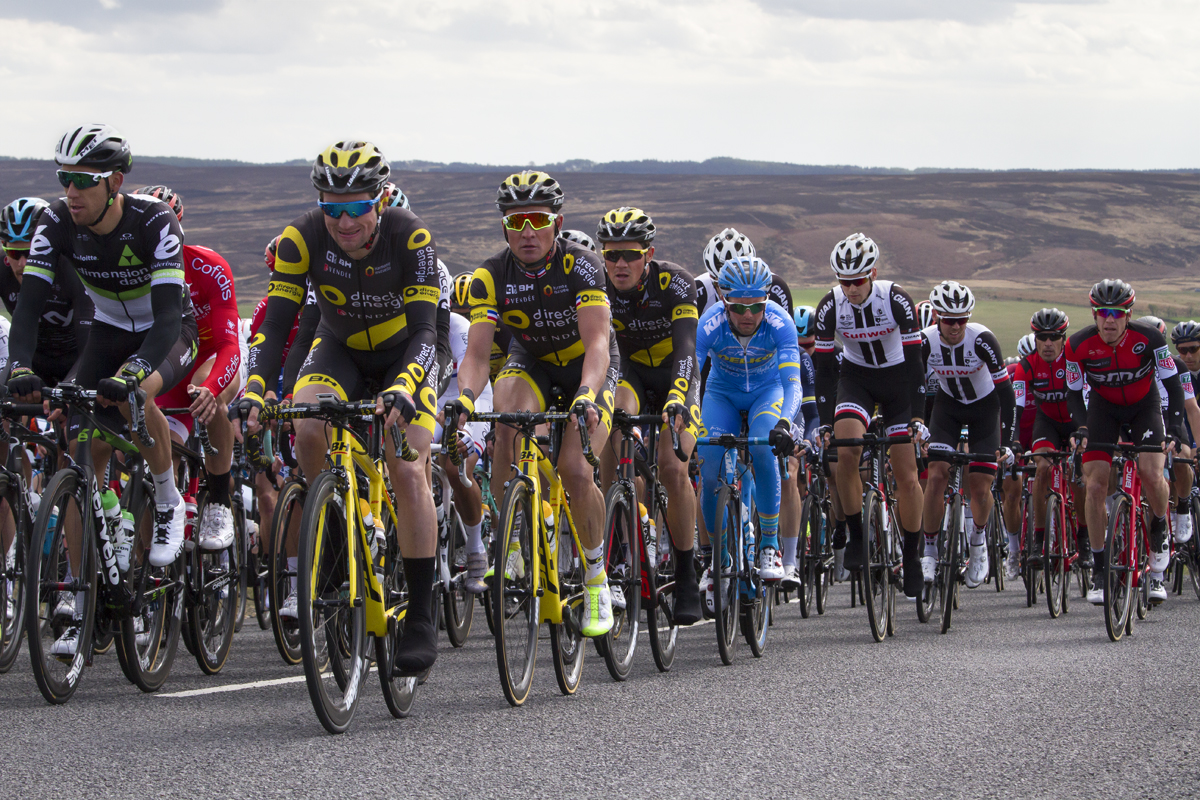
x=967 y=371
x=874 y=332
x=706 y=296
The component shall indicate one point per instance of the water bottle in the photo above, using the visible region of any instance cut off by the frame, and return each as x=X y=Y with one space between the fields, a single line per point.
x=50 y=529
x=364 y=508
x=748 y=533
x=651 y=535
x=112 y=522
x=127 y=540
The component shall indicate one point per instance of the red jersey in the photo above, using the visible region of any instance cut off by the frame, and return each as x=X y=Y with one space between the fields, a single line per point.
x=1122 y=373
x=1044 y=384
x=210 y=282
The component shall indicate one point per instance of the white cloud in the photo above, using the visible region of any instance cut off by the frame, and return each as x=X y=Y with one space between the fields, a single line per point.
x=876 y=82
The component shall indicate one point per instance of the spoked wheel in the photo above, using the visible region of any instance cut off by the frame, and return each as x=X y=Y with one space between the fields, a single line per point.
x=931 y=591
x=259 y=571
x=1030 y=572
x=622 y=554
x=876 y=576
x=1141 y=578
x=398 y=693
x=659 y=620
x=1054 y=558
x=727 y=548
x=997 y=541
x=952 y=560
x=333 y=641
x=515 y=607
x=458 y=605
x=14 y=518
x=807 y=552
x=566 y=641
x=822 y=571
x=1118 y=582
x=242 y=576
x=758 y=599
x=282 y=579
x=51 y=575
x=212 y=600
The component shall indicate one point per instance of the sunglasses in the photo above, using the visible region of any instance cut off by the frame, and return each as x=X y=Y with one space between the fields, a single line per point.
x=537 y=220
x=954 y=322
x=1187 y=351
x=81 y=180
x=16 y=252
x=1111 y=313
x=854 y=281
x=741 y=308
x=355 y=209
x=1047 y=337
x=629 y=256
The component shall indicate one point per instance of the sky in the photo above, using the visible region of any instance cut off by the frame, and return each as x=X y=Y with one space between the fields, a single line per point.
x=891 y=83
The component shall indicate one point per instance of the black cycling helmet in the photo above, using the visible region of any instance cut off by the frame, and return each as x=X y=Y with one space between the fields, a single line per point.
x=349 y=167
x=17 y=220
x=94 y=145
x=626 y=224
x=167 y=195
x=1049 y=320
x=529 y=188
x=1112 y=294
x=1188 y=331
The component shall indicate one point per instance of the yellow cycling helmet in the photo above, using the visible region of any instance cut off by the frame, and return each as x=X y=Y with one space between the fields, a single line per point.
x=349 y=167
x=529 y=188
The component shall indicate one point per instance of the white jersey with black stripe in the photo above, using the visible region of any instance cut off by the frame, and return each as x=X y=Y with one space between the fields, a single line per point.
x=870 y=332
x=967 y=371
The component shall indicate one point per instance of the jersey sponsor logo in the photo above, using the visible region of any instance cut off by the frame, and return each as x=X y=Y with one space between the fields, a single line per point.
x=371 y=272
x=865 y=334
x=685 y=311
x=128 y=258
x=1138 y=348
x=1119 y=377
x=1019 y=388
x=417 y=294
x=713 y=323
x=1059 y=374
x=1165 y=361
x=50 y=213
x=219 y=275
x=1073 y=374
x=40 y=245
x=169 y=245
x=126 y=237
x=420 y=238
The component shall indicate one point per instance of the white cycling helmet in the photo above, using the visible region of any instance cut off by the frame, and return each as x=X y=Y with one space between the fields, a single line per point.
x=579 y=238
x=854 y=255
x=1026 y=345
x=726 y=245
x=952 y=299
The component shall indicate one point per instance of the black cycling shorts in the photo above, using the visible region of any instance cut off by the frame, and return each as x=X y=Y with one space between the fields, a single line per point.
x=543 y=376
x=861 y=389
x=650 y=386
x=1105 y=419
x=1049 y=434
x=982 y=421
x=55 y=369
x=360 y=374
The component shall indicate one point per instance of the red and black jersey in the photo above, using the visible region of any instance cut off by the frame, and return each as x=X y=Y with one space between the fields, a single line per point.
x=1122 y=373
x=1045 y=384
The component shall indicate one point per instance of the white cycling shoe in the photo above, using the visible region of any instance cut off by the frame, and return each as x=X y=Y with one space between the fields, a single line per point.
x=770 y=564
x=288 y=609
x=216 y=527
x=977 y=569
x=928 y=568
x=66 y=645
x=1182 y=524
x=706 y=590
x=1012 y=567
x=1095 y=595
x=168 y=533
x=791 y=578
x=1156 y=591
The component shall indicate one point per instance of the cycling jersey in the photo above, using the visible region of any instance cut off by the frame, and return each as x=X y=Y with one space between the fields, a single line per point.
x=385 y=301
x=706 y=296
x=4 y=330
x=475 y=432
x=656 y=325
x=539 y=308
x=1185 y=383
x=967 y=371
x=210 y=283
x=64 y=324
x=1044 y=384
x=134 y=276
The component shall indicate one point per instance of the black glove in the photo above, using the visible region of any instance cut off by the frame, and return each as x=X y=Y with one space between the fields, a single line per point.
x=24 y=381
x=127 y=379
x=1079 y=434
x=676 y=410
x=241 y=409
x=580 y=409
x=463 y=404
x=780 y=438
x=401 y=402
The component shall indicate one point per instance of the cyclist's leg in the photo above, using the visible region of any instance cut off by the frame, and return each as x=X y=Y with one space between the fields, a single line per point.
x=983 y=436
x=1182 y=522
x=944 y=430
x=764 y=414
x=1103 y=424
x=1146 y=425
x=850 y=421
x=520 y=386
x=630 y=397
x=469 y=501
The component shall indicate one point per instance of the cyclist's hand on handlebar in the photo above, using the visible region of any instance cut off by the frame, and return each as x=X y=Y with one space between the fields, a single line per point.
x=780 y=438
x=588 y=410
x=463 y=405
x=677 y=411
x=398 y=407
x=919 y=431
x=204 y=405
x=25 y=385
x=1004 y=456
x=1170 y=444
x=117 y=388
x=247 y=409
x=1079 y=438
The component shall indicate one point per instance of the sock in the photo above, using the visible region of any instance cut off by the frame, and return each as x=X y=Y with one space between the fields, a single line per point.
x=769 y=539
x=854 y=524
x=1082 y=535
x=1182 y=507
x=1014 y=542
x=292 y=561
x=218 y=488
x=912 y=543
x=165 y=493
x=979 y=534
x=685 y=565
x=1099 y=562
x=789 y=550
x=1158 y=534
x=417 y=649
x=931 y=550
x=593 y=559
x=1039 y=536
x=475 y=537
x=839 y=534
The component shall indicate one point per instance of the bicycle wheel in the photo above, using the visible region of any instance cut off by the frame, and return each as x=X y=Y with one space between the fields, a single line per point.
x=997 y=539
x=927 y=600
x=515 y=607
x=566 y=641
x=48 y=565
x=659 y=622
x=149 y=639
x=14 y=517
x=280 y=578
x=1118 y=582
x=258 y=572
x=458 y=605
x=241 y=570
x=875 y=573
x=726 y=596
x=332 y=629
x=398 y=693
x=1054 y=558
x=822 y=570
x=1141 y=577
x=212 y=600
x=622 y=562
x=806 y=556
x=1030 y=572
x=952 y=563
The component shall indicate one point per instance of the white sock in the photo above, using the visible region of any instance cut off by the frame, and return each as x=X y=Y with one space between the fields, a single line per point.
x=979 y=535
x=292 y=569
x=165 y=493
x=475 y=538
x=1156 y=576
x=1014 y=542
x=789 y=549
x=931 y=550
x=593 y=560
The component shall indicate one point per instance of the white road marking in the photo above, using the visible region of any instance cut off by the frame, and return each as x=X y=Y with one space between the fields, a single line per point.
x=234 y=687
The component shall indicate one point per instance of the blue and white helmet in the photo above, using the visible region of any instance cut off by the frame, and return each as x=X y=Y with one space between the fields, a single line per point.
x=18 y=217
x=806 y=321
x=744 y=277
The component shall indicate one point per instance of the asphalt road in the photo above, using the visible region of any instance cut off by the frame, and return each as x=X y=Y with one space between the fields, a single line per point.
x=1009 y=703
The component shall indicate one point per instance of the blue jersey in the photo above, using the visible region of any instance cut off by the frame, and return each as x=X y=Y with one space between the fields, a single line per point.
x=771 y=357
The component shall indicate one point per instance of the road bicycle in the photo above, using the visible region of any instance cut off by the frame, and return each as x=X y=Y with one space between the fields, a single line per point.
x=457 y=604
x=815 y=546
x=1126 y=541
x=1059 y=554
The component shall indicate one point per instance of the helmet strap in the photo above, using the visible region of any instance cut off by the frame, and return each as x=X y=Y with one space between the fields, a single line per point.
x=112 y=196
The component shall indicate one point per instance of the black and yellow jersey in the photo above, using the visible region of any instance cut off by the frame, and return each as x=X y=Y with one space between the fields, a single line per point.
x=656 y=323
x=539 y=309
x=378 y=302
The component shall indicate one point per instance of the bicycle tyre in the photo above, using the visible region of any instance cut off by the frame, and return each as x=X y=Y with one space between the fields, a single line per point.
x=875 y=574
x=212 y=602
x=807 y=555
x=515 y=607
x=659 y=620
x=622 y=563
x=1118 y=580
x=953 y=561
x=726 y=598
x=822 y=572
x=996 y=539
x=927 y=601
x=398 y=693
x=332 y=643
x=1054 y=558
x=286 y=632
x=1029 y=571
x=458 y=605
x=1192 y=548
x=1141 y=576
x=567 y=643
x=241 y=550
x=12 y=580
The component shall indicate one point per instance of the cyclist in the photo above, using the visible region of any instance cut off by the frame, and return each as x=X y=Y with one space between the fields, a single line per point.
x=375 y=272
x=1186 y=338
x=974 y=392
x=1039 y=380
x=806 y=422
x=1119 y=358
x=756 y=371
x=654 y=314
x=501 y=339
x=215 y=378
x=550 y=294
x=876 y=322
x=720 y=248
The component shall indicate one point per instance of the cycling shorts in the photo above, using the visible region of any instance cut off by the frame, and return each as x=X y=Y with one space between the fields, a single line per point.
x=982 y=421
x=360 y=374
x=543 y=377
x=1049 y=434
x=860 y=389
x=53 y=370
x=1105 y=419
x=650 y=386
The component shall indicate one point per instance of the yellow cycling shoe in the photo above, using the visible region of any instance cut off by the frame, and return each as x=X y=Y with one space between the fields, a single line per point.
x=597 y=612
x=514 y=566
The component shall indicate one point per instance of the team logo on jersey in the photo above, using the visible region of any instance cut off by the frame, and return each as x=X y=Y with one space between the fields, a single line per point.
x=40 y=245
x=1060 y=374
x=1139 y=348
x=169 y=245
x=664 y=280
x=547 y=290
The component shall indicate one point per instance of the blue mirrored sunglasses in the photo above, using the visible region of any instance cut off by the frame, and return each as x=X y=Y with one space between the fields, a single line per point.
x=355 y=209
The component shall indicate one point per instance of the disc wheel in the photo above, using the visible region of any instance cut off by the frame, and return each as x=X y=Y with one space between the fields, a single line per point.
x=876 y=576
x=14 y=518
x=1054 y=558
x=458 y=605
x=566 y=641
x=515 y=607
x=1118 y=581
x=659 y=619
x=622 y=555
x=726 y=597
